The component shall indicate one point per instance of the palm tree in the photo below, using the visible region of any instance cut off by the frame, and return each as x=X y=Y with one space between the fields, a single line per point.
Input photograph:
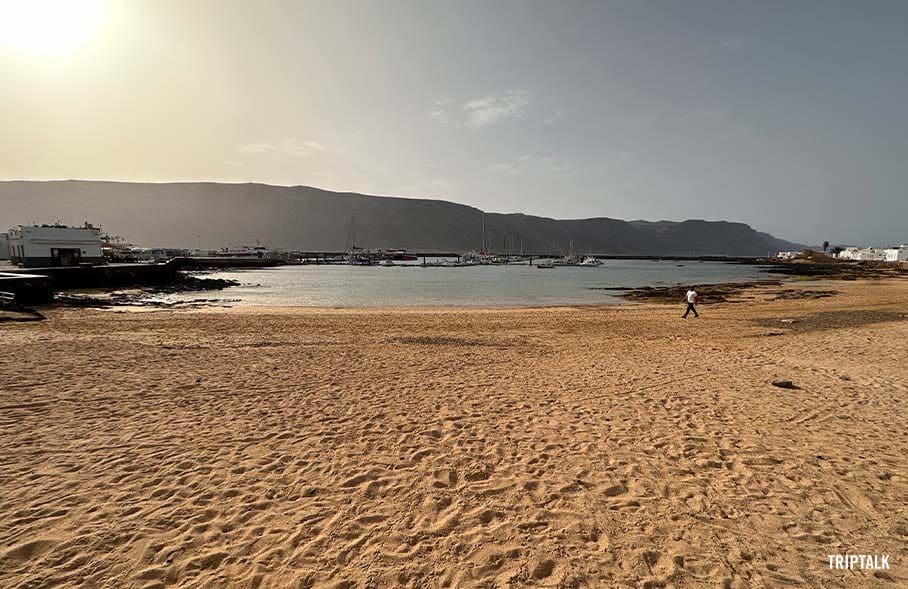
x=825 y=246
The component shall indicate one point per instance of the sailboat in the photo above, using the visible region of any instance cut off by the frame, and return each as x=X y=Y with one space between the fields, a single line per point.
x=356 y=256
x=571 y=259
x=550 y=262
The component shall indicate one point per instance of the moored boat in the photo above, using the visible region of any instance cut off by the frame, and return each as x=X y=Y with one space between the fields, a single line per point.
x=589 y=262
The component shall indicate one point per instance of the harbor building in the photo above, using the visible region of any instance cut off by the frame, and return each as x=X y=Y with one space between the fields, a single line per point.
x=36 y=246
x=4 y=246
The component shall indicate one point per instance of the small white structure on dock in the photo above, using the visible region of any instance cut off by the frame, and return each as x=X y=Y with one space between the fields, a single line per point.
x=4 y=246
x=35 y=246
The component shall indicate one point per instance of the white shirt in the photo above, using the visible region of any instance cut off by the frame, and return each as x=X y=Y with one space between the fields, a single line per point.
x=691 y=296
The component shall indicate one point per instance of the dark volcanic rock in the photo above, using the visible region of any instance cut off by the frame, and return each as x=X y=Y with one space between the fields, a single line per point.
x=833 y=320
x=145 y=297
x=707 y=293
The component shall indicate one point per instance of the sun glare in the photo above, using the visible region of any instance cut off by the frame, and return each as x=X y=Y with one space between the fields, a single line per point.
x=48 y=26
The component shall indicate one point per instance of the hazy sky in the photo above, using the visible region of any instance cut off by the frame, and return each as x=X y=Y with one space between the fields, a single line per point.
x=787 y=115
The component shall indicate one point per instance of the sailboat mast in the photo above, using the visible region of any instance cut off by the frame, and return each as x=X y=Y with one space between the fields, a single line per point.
x=483 y=233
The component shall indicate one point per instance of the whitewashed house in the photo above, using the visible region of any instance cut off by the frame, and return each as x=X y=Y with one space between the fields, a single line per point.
x=38 y=246
x=863 y=254
x=847 y=253
x=897 y=254
x=873 y=254
x=4 y=246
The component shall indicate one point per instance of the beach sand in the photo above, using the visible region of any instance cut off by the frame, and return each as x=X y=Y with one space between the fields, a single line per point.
x=562 y=447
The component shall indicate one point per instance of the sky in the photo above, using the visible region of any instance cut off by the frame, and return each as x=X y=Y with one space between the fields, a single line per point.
x=789 y=116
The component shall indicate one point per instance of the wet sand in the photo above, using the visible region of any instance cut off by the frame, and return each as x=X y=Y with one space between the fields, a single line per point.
x=560 y=447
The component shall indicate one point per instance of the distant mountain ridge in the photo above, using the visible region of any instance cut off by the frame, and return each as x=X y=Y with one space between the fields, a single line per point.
x=182 y=214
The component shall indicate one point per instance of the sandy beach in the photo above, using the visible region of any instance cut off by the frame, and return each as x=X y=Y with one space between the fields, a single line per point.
x=559 y=447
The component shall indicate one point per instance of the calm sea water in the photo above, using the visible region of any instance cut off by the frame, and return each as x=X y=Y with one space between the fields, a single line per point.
x=496 y=286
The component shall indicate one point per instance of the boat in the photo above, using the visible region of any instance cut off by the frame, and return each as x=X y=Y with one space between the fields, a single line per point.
x=386 y=263
x=356 y=255
x=399 y=254
x=547 y=264
x=570 y=259
x=574 y=257
x=589 y=262
x=360 y=259
x=474 y=258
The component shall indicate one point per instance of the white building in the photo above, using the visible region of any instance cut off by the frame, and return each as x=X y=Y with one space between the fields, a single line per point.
x=897 y=254
x=874 y=254
x=862 y=254
x=38 y=246
x=847 y=253
x=4 y=246
x=786 y=255
x=878 y=254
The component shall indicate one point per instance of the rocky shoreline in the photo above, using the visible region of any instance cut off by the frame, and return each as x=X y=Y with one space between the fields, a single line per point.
x=794 y=271
x=150 y=296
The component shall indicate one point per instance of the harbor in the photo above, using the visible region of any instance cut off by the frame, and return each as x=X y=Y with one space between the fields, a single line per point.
x=51 y=258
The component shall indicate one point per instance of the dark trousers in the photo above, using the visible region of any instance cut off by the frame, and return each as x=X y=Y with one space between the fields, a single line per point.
x=690 y=307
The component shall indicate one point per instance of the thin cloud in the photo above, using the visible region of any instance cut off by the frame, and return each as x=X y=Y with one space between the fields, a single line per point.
x=439 y=112
x=484 y=111
x=551 y=164
x=525 y=164
x=439 y=115
x=553 y=117
x=302 y=148
x=257 y=148
x=507 y=168
x=490 y=109
x=289 y=147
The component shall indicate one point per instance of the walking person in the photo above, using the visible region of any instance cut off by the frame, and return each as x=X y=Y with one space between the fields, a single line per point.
x=691 y=298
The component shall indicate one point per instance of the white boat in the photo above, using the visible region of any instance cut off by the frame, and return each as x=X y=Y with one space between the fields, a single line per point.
x=386 y=263
x=359 y=259
x=474 y=258
x=590 y=261
x=545 y=265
